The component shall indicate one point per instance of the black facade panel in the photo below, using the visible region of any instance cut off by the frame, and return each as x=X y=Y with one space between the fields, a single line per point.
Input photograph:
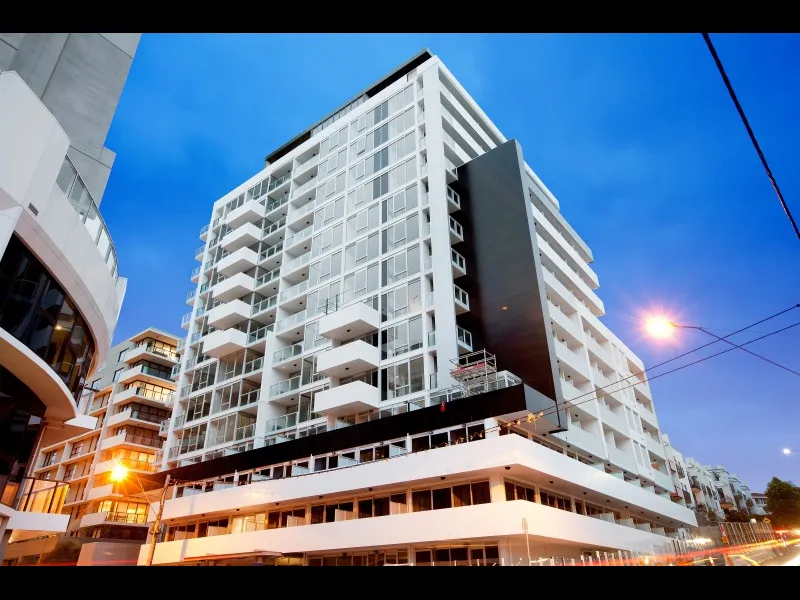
x=504 y=401
x=504 y=274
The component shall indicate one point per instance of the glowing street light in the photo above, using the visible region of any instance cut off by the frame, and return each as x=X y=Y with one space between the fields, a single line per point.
x=787 y=451
x=660 y=327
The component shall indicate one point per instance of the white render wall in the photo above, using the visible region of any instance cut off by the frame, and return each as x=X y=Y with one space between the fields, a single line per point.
x=495 y=457
x=32 y=149
x=624 y=437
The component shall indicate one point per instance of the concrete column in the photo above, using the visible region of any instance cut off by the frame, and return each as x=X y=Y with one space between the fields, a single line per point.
x=5 y=537
x=497 y=488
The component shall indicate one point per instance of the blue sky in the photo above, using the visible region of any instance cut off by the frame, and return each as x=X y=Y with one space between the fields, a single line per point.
x=635 y=134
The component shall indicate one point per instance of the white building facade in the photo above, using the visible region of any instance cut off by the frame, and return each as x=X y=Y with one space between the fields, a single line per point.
x=344 y=293
x=60 y=297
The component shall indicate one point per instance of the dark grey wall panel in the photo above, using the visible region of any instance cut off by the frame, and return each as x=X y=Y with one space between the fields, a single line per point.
x=504 y=270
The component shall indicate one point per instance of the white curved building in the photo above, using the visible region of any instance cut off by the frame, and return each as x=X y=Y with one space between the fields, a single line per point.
x=60 y=289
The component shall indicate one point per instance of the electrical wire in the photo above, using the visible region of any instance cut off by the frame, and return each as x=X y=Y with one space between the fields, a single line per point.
x=750 y=352
x=721 y=339
x=696 y=362
x=752 y=135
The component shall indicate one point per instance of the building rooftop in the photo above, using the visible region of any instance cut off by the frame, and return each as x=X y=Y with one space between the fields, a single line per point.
x=375 y=88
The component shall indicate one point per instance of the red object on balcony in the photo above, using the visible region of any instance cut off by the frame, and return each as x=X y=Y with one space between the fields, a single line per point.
x=442 y=407
x=675 y=494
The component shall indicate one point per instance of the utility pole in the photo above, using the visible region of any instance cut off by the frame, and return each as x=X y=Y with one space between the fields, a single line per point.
x=157 y=523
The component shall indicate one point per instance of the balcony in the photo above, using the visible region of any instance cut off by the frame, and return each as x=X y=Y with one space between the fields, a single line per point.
x=204 y=232
x=238 y=261
x=291 y=326
x=556 y=235
x=273 y=232
x=145 y=373
x=453 y=201
x=143 y=395
x=464 y=339
x=220 y=343
x=614 y=420
x=655 y=447
x=348 y=399
x=291 y=266
x=267 y=279
x=600 y=352
x=560 y=318
x=228 y=314
x=293 y=241
x=270 y=258
x=233 y=287
x=461 y=299
x=621 y=458
x=648 y=415
x=456 y=231
x=662 y=480
x=349 y=322
x=643 y=388
x=247 y=213
x=585 y=440
x=287 y=358
x=571 y=357
x=348 y=360
x=102 y=491
x=263 y=306
x=190 y=295
x=451 y=171
x=195 y=277
x=131 y=440
x=458 y=264
x=295 y=291
x=117 y=518
x=242 y=237
x=257 y=340
x=163 y=428
x=132 y=416
x=151 y=352
x=578 y=288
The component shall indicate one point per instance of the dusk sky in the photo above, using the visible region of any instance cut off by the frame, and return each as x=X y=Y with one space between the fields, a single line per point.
x=634 y=134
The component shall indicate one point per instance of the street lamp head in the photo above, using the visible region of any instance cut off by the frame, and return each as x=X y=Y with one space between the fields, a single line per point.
x=119 y=473
x=659 y=327
x=787 y=451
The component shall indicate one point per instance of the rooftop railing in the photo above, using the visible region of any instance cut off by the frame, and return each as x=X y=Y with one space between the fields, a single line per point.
x=70 y=182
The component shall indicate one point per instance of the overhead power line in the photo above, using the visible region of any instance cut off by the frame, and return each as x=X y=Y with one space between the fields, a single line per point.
x=752 y=135
x=591 y=394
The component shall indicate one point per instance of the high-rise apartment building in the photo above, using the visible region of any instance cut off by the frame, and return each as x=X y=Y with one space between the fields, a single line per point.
x=130 y=396
x=60 y=289
x=396 y=350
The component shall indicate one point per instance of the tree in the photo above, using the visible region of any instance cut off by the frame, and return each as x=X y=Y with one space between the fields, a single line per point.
x=783 y=503
x=737 y=516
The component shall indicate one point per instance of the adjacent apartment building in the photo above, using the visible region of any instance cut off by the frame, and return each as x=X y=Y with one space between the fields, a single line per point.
x=60 y=289
x=717 y=491
x=131 y=397
x=395 y=355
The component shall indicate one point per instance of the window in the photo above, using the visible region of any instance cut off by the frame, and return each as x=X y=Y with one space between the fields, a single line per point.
x=555 y=500
x=326 y=240
x=327 y=214
x=401 y=202
x=519 y=492
x=401 y=265
x=362 y=221
x=467 y=494
x=360 y=283
x=401 y=338
x=364 y=250
x=403 y=299
x=401 y=233
x=327 y=267
x=402 y=379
